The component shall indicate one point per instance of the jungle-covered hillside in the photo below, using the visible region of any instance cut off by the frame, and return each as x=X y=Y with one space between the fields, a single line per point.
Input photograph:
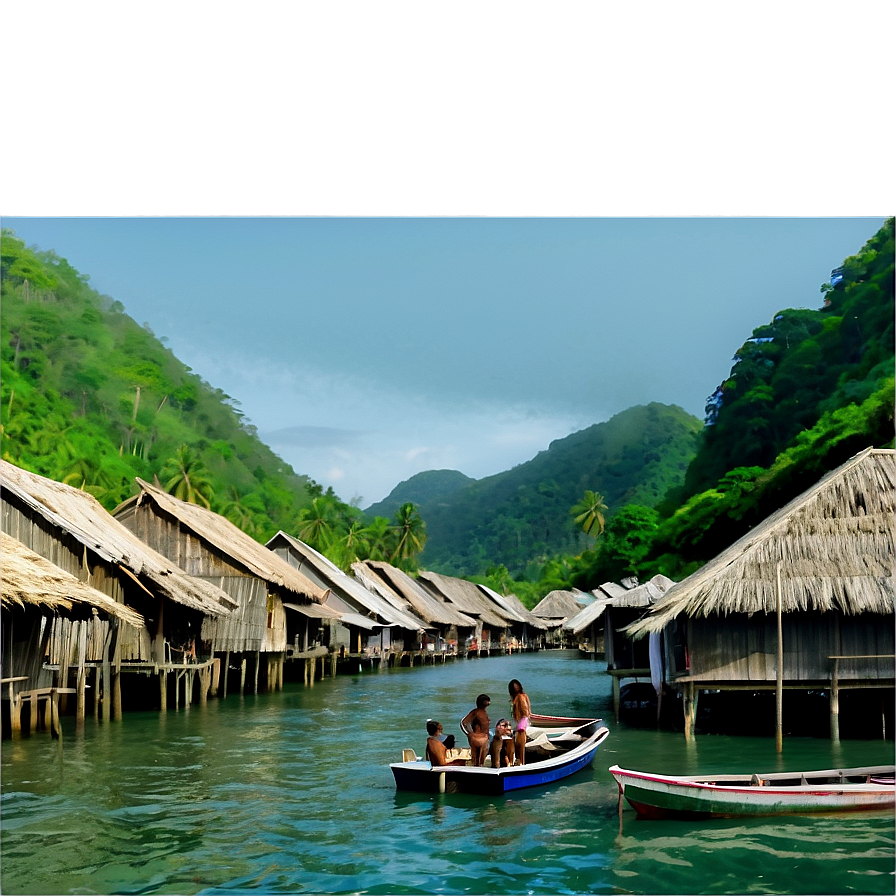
x=92 y=398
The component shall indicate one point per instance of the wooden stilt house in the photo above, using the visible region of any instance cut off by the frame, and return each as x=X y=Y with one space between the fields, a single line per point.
x=805 y=600
x=35 y=594
x=495 y=624
x=74 y=532
x=279 y=612
x=444 y=622
x=369 y=625
x=558 y=606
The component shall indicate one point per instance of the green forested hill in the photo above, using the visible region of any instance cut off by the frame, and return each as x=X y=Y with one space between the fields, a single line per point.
x=521 y=517
x=91 y=398
x=428 y=488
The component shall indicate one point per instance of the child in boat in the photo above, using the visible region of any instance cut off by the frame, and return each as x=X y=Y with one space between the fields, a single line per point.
x=520 y=710
x=501 y=749
x=475 y=724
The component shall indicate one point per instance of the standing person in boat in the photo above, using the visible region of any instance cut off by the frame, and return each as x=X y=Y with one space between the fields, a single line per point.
x=501 y=748
x=475 y=725
x=520 y=709
x=436 y=751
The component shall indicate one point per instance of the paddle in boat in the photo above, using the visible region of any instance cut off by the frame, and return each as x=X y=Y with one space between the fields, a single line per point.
x=777 y=793
x=561 y=758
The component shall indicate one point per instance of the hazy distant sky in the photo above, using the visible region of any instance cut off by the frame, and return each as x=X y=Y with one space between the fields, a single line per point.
x=367 y=349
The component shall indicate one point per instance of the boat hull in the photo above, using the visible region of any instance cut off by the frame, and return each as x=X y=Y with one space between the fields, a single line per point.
x=423 y=777
x=660 y=796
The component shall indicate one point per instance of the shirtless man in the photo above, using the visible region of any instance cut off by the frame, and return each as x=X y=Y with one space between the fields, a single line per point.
x=501 y=749
x=436 y=751
x=475 y=723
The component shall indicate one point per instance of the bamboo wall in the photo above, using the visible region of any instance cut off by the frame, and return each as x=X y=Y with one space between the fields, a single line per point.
x=738 y=648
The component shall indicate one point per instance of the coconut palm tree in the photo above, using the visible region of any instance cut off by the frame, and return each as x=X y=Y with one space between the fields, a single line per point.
x=411 y=534
x=317 y=523
x=589 y=513
x=185 y=477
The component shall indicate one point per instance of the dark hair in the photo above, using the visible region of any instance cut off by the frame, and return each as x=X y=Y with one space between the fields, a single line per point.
x=481 y=700
x=515 y=681
x=432 y=726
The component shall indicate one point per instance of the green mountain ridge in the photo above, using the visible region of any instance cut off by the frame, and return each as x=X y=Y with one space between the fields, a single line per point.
x=512 y=517
x=426 y=488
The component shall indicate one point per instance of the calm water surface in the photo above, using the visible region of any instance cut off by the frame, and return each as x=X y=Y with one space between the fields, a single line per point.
x=292 y=793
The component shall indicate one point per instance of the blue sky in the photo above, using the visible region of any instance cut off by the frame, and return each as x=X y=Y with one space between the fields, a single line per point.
x=550 y=182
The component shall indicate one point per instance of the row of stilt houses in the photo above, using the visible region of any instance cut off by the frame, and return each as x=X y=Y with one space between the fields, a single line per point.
x=802 y=603
x=165 y=603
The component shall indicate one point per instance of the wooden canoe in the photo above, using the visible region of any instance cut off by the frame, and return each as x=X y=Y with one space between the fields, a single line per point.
x=777 y=793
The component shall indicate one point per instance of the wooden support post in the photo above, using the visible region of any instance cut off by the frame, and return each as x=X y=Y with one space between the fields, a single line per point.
x=176 y=691
x=225 y=672
x=204 y=679
x=313 y=669
x=65 y=659
x=257 y=664
x=690 y=696
x=616 y=698
x=163 y=691
x=55 y=725
x=215 y=676
x=107 y=678
x=81 y=686
x=243 y=677
x=116 y=672
x=779 y=676
x=835 y=702
x=97 y=684
x=15 y=715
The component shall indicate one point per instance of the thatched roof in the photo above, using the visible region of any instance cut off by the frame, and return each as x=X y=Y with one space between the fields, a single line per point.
x=230 y=540
x=397 y=587
x=317 y=567
x=560 y=605
x=512 y=603
x=27 y=579
x=83 y=518
x=467 y=598
x=641 y=596
x=834 y=544
x=610 y=589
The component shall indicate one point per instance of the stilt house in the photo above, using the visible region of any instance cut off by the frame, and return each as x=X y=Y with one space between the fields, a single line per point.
x=495 y=624
x=74 y=532
x=34 y=595
x=278 y=610
x=558 y=606
x=369 y=625
x=805 y=600
x=445 y=623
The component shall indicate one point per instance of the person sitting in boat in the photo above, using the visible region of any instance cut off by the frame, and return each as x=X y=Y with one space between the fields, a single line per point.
x=475 y=725
x=520 y=709
x=501 y=748
x=436 y=749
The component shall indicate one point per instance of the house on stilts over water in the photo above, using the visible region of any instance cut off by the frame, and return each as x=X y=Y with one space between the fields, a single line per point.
x=279 y=611
x=157 y=606
x=370 y=630
x=803 y=602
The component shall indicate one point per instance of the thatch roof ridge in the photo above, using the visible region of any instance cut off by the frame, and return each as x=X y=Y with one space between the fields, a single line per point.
x=559 y=604
x=424 y=604
x=228 y=538
x=525 y=612
x=835 y=544
x=465 y=596
x=342 y=581
x=26 y=578
x=81 y=516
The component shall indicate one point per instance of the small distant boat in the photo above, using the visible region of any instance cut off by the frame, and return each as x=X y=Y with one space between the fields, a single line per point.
x=422 y=775
x=778 y=793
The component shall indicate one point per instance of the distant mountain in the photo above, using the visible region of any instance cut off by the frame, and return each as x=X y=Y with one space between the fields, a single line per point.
x=522 y=516
x=429 y=487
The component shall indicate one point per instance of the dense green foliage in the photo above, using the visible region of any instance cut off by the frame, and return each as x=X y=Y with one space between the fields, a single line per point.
x=91 y=398
x=520 y=519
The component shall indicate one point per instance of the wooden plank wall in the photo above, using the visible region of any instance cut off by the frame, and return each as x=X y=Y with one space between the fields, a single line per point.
x=740 y=648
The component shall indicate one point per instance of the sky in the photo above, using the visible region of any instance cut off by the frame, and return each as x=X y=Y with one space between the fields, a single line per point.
x=407 y=236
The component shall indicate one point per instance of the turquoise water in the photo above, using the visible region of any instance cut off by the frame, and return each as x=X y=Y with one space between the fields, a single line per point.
x=291 y=793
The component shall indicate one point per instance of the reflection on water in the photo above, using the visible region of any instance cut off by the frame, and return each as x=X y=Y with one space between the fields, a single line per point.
x=291 y=793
